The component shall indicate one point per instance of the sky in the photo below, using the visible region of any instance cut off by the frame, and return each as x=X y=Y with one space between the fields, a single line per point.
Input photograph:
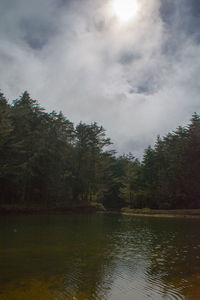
x=138 y=77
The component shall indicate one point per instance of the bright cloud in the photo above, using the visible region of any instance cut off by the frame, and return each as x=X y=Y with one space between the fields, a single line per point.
x=137 y=79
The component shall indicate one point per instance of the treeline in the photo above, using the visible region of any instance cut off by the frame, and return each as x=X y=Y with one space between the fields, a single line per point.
x=47 y=162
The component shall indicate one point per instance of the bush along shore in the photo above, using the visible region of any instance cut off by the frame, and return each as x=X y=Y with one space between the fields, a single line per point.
x=49 y=164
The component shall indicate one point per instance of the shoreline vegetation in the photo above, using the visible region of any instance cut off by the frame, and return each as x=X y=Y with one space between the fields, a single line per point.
x=37 y=210
x=126 y=211
x=48 y=164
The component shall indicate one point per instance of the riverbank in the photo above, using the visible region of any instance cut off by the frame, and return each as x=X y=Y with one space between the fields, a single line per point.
x=35 y=210
x=98 y=208
x=176 y=213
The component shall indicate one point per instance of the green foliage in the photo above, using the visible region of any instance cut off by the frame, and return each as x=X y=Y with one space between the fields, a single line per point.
x=170 y=171
x=46 y=162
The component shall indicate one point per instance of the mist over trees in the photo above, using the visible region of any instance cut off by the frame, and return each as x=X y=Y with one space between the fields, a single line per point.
x=48 y=162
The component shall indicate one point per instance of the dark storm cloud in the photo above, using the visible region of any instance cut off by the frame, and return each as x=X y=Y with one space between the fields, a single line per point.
x=37 y=33
x=145 y=89
x=127 y=57
x=137 y=79
x=33 y=23
x=182 y=15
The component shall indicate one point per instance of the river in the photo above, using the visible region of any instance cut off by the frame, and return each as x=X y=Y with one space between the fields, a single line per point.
x=99 y=256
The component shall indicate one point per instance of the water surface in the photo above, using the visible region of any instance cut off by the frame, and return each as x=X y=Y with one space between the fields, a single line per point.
x=92 y=257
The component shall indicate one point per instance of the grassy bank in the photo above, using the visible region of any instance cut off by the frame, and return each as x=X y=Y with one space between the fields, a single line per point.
x=186 y=213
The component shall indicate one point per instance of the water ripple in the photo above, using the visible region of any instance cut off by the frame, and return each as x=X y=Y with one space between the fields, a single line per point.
x=101 y=258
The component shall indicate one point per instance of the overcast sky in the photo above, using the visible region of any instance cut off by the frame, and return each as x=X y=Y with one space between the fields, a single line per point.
x=137 y=78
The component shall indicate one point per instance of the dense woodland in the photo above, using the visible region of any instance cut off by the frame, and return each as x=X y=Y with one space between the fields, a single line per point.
x=48 y=163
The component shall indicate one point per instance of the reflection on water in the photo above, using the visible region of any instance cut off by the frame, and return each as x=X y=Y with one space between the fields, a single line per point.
x=94 y=257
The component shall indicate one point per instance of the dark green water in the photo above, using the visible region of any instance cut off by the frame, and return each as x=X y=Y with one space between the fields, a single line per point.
x=99 y=257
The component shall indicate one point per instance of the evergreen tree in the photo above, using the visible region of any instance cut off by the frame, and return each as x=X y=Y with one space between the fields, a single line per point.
x=47 y=163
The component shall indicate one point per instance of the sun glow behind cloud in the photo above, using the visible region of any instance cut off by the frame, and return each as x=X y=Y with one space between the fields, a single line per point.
x=125 y=10
x=140 y=65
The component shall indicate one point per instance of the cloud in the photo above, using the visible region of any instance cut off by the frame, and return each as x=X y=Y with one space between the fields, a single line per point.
x=137 y=79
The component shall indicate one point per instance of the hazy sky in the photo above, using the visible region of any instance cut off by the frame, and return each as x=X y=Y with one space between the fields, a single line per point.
x=137 y=77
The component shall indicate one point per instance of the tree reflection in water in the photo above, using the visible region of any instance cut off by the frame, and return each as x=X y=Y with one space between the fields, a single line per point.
x=99 y=257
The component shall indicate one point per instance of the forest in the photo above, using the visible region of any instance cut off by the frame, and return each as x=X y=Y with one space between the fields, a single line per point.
x=47 y=162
